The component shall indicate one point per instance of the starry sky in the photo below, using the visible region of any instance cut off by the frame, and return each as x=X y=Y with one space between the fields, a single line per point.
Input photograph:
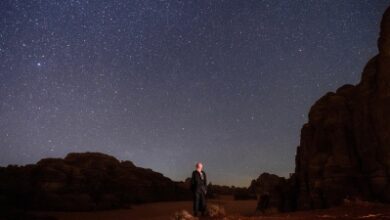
x=168 y=83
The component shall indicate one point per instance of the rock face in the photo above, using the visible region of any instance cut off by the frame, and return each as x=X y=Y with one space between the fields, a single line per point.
x=273 y=192
x=84 y=181
x=345 y=146
x=344 y=150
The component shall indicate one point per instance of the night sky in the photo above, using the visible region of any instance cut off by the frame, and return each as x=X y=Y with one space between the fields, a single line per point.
x=168 y=83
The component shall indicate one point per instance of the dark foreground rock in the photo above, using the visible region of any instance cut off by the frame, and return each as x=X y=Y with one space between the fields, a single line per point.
x=84 y=181
x=344 y=150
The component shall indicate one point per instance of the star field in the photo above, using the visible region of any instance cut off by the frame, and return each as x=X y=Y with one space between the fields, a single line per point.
x=168 y=83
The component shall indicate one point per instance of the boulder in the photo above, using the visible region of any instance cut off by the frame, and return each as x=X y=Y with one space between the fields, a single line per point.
x=273 y=193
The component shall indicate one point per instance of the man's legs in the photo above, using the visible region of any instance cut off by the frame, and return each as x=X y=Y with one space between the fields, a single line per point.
x=202 y=203
x=196 y=201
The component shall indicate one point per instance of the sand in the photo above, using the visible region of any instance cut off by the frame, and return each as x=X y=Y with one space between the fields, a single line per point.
x=244 y=210
x=157 y=211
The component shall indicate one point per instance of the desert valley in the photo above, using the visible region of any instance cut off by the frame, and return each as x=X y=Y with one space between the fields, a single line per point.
x=342 y=171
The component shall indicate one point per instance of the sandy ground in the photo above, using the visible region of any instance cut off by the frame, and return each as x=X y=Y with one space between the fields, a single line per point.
x=359 y=210
x=243 y=210
x=157 y=211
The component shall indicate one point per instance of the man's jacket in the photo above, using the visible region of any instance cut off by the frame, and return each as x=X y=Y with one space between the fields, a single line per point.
x=198 y=185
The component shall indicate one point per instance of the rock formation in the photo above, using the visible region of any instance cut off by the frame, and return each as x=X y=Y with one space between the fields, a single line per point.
x=238 y=193
x=273 y=192
x=345 y=146
x=84 y=181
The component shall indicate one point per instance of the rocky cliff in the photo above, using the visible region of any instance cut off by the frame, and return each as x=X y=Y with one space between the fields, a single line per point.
x=84 y=181
x=345 y=146
x=344 y=150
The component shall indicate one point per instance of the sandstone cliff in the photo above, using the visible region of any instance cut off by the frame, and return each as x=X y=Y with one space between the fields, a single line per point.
x=344 y=150
x=345 y=146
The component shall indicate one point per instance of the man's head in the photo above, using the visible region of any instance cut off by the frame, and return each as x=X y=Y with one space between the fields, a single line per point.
x=199 y=166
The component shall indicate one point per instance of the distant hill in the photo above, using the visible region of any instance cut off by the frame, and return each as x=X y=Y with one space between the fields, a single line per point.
x=84 y=181
x=93 y=181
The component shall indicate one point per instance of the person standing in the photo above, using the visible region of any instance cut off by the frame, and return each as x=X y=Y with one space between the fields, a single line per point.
x=199 y=189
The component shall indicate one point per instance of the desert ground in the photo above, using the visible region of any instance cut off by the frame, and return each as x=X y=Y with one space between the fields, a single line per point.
x=244 y=210
x=157 y=211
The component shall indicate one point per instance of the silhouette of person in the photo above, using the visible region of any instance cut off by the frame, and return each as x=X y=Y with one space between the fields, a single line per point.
x=199 y=189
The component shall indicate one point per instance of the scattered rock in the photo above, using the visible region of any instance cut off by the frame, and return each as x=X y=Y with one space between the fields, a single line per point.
x=214 y=210
x=183 y=215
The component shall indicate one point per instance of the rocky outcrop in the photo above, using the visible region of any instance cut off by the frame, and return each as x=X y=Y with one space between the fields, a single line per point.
x=344 y=150
x=345 y=146
x=273 y=192
x=84 y=181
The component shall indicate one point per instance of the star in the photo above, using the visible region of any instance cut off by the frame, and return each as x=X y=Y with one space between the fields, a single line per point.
x=216 y=81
